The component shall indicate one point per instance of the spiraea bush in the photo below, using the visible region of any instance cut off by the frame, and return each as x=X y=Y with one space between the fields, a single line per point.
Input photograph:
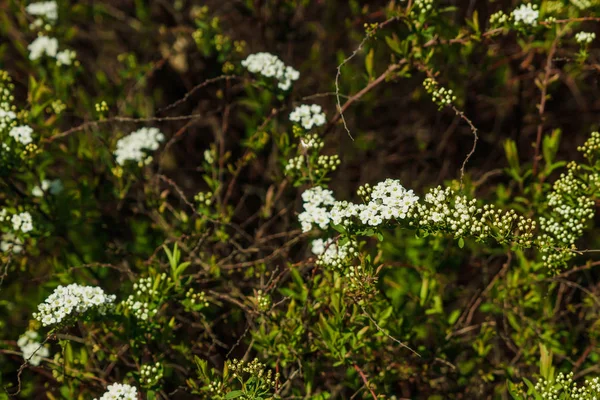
x=299 y=199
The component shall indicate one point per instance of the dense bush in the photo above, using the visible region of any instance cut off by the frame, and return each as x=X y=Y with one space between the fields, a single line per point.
x=299 y=199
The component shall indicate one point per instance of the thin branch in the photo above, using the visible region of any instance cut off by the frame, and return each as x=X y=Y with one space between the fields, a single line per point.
x=339 y=73
x=542 y=105
x=365 y=380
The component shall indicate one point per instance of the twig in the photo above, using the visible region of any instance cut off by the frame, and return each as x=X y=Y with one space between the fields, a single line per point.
x=475 y=139
x=198 y=87
x=542 y=105
x=358 y=95
x=90 y=124
x=339 y=73
x=380 y=329
x=365 y=380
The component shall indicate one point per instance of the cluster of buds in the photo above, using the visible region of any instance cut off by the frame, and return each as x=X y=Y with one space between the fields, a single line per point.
x=204 y=198
x=441 y=96
x=264 y=379
x=263 y=301
x=151 y=374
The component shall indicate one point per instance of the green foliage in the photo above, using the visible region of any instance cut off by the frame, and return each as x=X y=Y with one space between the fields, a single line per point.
x=287 y=200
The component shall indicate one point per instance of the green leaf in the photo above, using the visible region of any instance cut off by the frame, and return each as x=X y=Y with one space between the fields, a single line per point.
x=512 y=155
x=394 y=44
x=546 y=368
x=369 y=63
x=461 y=243
x=550 y=146
x=234 y=394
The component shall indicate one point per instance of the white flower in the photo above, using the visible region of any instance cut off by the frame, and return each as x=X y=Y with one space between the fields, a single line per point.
x=585 y=37
x=133 y=146
x=526 y=14
x=72 y=300
x=65 y=57
x=120 y=391
x=44 y=9
x=308 y=116
x=42 y=45
x=315 y=212
x=22 y=134
x=389 y=200
x=33 y=351
x=7 y=114
x=333 y=255
x=22 y=222
x=10 y=242
x=271 y=66
x=53 y=187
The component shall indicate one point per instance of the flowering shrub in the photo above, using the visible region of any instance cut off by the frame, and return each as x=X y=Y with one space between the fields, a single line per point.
x=299 y=199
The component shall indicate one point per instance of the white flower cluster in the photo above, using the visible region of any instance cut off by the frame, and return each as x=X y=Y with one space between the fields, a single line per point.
x=33 y=351
x=53 y=187
x=22 y=222
x=271 y=66
x=70 y=301
x=120 y=391
x=585 y=37
x=22 y=134
x=7 y=117
x=565 y=388
x=439 y=95
x=332 y=254
x=43 y=45
x=65 y=57
x=316 y=202
x=10 y=242
x=388 y=200
x=48 y=46
x=308 y=116
x=47 y=10
x=443 y=210
x=134 y=146
x=526 y=14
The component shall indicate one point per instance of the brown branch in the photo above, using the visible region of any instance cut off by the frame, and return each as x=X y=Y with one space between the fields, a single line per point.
x=365 y=380
x=198 y=87
x=339 y=73
x=475 y=139
x=358 y=95
x=542 y=106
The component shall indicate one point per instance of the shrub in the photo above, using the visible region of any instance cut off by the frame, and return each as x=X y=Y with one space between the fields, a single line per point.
x=299 y=199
